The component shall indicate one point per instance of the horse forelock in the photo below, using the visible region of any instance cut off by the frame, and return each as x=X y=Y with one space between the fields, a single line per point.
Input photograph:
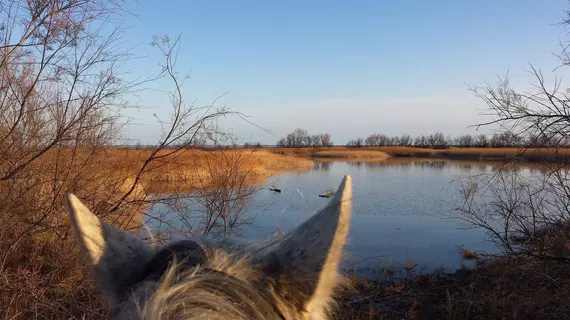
x=192 y=281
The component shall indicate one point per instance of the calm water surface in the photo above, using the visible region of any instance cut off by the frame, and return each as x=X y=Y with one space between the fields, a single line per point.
x=401 y=212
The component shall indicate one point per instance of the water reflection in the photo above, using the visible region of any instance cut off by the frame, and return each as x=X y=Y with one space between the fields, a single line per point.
x=322 y=165
x=400 y=210
x=461 y=166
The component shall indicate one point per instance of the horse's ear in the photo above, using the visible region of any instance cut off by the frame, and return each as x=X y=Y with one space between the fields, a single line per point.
x=305 y=262
x=113 y=256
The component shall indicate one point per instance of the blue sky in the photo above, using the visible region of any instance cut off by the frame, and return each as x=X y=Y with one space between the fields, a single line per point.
x=349 y=68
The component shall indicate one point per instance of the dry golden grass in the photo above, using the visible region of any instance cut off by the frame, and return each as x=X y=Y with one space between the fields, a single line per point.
x=521 y=154
x=361 y=155
x=269 y=163
x=42 y=273
x=468 y=254
x=530 y=154
x=186 y=170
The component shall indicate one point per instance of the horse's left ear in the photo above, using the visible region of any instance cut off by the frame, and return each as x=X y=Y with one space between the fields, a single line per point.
x=305 y=262
x=112 y=255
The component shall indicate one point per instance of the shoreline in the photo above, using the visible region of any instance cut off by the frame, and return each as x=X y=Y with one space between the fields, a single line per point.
x=261 y=164
x=502 y=287
x=534 y=155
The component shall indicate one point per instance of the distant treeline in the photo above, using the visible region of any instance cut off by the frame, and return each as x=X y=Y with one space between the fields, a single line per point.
x=300 y=138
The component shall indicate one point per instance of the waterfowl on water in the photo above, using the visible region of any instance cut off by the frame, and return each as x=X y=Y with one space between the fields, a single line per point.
x=327 y=194
x=274 y=189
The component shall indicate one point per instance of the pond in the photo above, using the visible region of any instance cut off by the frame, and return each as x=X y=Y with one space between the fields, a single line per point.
x=401 y=212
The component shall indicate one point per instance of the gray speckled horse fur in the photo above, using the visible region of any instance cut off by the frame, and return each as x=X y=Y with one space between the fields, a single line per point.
x=292 y=276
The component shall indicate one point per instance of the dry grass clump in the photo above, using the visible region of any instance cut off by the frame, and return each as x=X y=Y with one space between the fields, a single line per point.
x=468 y=254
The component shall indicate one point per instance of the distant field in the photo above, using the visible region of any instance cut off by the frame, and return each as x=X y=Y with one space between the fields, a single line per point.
x=520 y=154
x=360 y=155
x=188 y=169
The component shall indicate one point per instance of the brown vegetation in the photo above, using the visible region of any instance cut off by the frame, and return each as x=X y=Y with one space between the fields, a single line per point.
x=499 y=288
x=61 y=103
x=41 y=270
x=498 y=154
x=186 y=169
x=468 y=254
x=351 y=155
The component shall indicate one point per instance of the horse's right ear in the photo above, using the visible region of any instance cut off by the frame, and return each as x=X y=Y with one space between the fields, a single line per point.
x=306 y=261
x=113 y=256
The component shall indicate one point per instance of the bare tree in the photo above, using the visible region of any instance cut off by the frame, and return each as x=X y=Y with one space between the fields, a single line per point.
x=465 y=141
x=49 y=95
x=541 y=140
x=326 y=140
x=62 y=94
x=437 y=141
x=300 y=138
x=356 y=143
x=506 y=140
x=282 y=143
x=421 y=142
x=394 y=141
x=406 y=140
x=526 y=214
x=60 y=91
x=377 y=139
x=481 y=141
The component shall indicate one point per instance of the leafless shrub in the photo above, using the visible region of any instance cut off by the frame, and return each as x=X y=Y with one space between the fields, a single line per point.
x=59 y=85
x=525 y=214
x=224 y=192
x=61 y=98
x=219 y=191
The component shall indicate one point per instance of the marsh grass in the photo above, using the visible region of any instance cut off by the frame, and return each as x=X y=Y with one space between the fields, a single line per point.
x=468 y=254
x=495 y=154
x=186 y=170
x=42 y=273
x=366 y=155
